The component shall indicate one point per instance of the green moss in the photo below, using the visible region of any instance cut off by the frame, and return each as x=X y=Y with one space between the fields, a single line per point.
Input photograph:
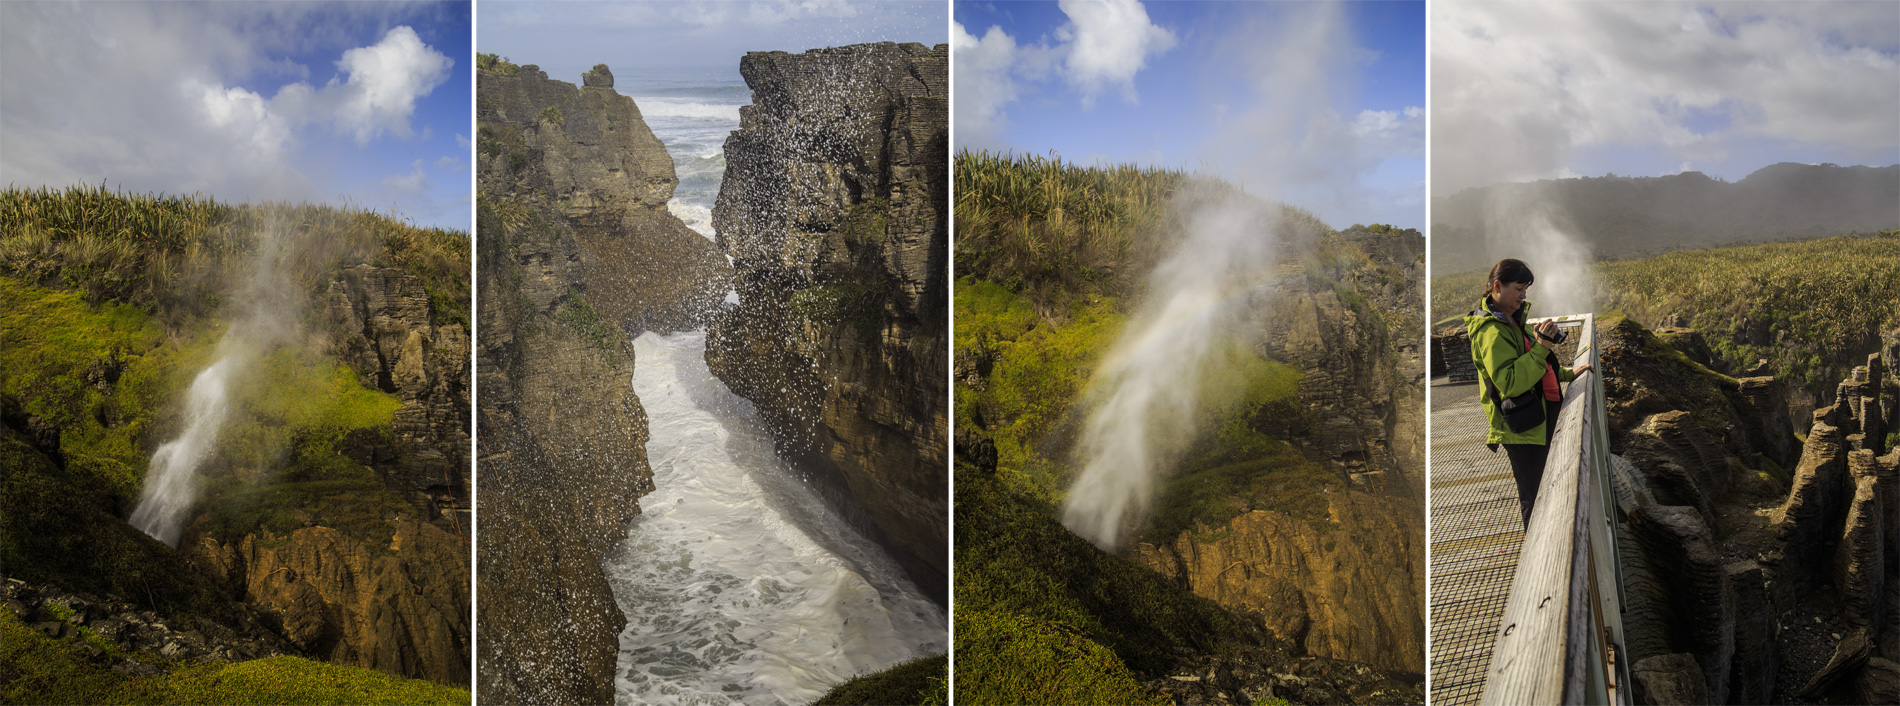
x=1005 y=658
x=843 y=302
x=1033 y=597
x=919 y=681
x=577 y=315
x=1038 y=372
x=49 y=671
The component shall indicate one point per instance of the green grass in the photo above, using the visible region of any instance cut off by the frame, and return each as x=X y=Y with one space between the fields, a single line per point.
x=495 y=64
x=924 y=681
x=43 y=670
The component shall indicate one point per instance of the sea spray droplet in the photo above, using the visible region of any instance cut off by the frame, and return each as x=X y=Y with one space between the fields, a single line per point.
x=171 y=483
x=1144 y=395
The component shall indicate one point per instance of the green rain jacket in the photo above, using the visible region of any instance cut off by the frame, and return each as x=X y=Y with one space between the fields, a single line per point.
x=1497 y=347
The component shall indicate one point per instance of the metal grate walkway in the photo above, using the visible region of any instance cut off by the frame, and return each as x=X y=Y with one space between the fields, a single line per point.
x=1476 y=533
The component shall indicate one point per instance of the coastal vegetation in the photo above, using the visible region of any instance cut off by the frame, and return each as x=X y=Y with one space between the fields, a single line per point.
x=1812 y=309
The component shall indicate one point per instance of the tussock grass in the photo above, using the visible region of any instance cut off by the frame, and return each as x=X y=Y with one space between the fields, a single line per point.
x=179 y=255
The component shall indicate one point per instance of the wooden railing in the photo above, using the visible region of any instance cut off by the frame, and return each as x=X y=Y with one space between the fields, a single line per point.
x=1561 y=637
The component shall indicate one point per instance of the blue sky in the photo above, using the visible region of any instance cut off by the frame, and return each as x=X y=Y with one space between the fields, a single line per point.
x=1319 y=105
x=360 y=103
x=1524 y=91
x=635 y=38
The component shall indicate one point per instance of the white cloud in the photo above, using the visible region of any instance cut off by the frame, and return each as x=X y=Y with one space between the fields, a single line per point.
x=415 y=182
x=450 y=164
x=1519 y=88
x=461 y=140
x=172 y=98
x=1109 y=41
x=983 y=84
x=385 y=81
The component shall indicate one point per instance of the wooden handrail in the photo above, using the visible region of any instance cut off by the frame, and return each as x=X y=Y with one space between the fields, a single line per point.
x=1550 y=648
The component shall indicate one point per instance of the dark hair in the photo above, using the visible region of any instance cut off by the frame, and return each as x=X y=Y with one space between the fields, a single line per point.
x=1510 y=271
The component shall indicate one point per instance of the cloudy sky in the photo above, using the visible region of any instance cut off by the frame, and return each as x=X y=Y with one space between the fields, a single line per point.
x=1319 y=105
x=1524 y=91
x=566 y=38
x=364 y=103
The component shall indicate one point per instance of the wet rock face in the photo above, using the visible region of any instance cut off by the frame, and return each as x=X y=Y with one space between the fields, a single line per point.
x=576 y=248
x=379 y=322
x=400 y=608
x=834 y=209
x=586 y=155
x=1349 y=589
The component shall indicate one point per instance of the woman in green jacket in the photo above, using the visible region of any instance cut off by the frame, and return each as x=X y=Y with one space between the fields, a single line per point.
x=1512 y=360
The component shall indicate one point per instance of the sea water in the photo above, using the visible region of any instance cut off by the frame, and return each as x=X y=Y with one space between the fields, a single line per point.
x=738 y=582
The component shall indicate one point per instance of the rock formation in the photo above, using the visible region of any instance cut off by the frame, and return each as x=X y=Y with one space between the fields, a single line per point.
x=576 y=249
x=380 y=324
x=834 y=209
x=400 y=608
x=1349 y=589
x=586 y=155
x=1825 y=535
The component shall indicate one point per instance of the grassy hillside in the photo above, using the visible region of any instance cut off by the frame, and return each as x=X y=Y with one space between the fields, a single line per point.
x=1813 y=309
x=176 y=256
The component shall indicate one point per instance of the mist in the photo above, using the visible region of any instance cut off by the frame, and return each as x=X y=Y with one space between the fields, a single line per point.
x=1523 y=224
x=1144 y=398
x=268 y=303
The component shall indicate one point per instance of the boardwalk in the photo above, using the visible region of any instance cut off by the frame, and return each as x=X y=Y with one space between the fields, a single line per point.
x=1476 y=531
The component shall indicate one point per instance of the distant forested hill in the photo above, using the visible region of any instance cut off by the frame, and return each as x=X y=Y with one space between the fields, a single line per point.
x=1622 y=217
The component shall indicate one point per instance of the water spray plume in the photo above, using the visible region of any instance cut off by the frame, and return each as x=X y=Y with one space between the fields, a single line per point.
x=1522 y=223
x=268 y=304
x=171 y=484
x=1145 y=396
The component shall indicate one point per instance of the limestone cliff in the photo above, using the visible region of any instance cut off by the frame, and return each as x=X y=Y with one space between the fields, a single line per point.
x=834 y=209
x=576 y=248
x=586 y=155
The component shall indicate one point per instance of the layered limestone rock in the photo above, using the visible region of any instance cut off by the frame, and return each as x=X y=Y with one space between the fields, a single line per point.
x=1824 y=535
x=834 y=208
x=576 y=249
x=1363 y=388
x=585 y=154
x=380 y=324
x=401 y=607
x=1351 y=588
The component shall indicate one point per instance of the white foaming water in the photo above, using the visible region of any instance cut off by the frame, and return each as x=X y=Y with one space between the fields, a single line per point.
x=738 y=583
x=171 y=481
x=1144 y=397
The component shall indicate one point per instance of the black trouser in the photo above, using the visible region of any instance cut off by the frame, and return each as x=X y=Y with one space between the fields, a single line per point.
x=1527 y=462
